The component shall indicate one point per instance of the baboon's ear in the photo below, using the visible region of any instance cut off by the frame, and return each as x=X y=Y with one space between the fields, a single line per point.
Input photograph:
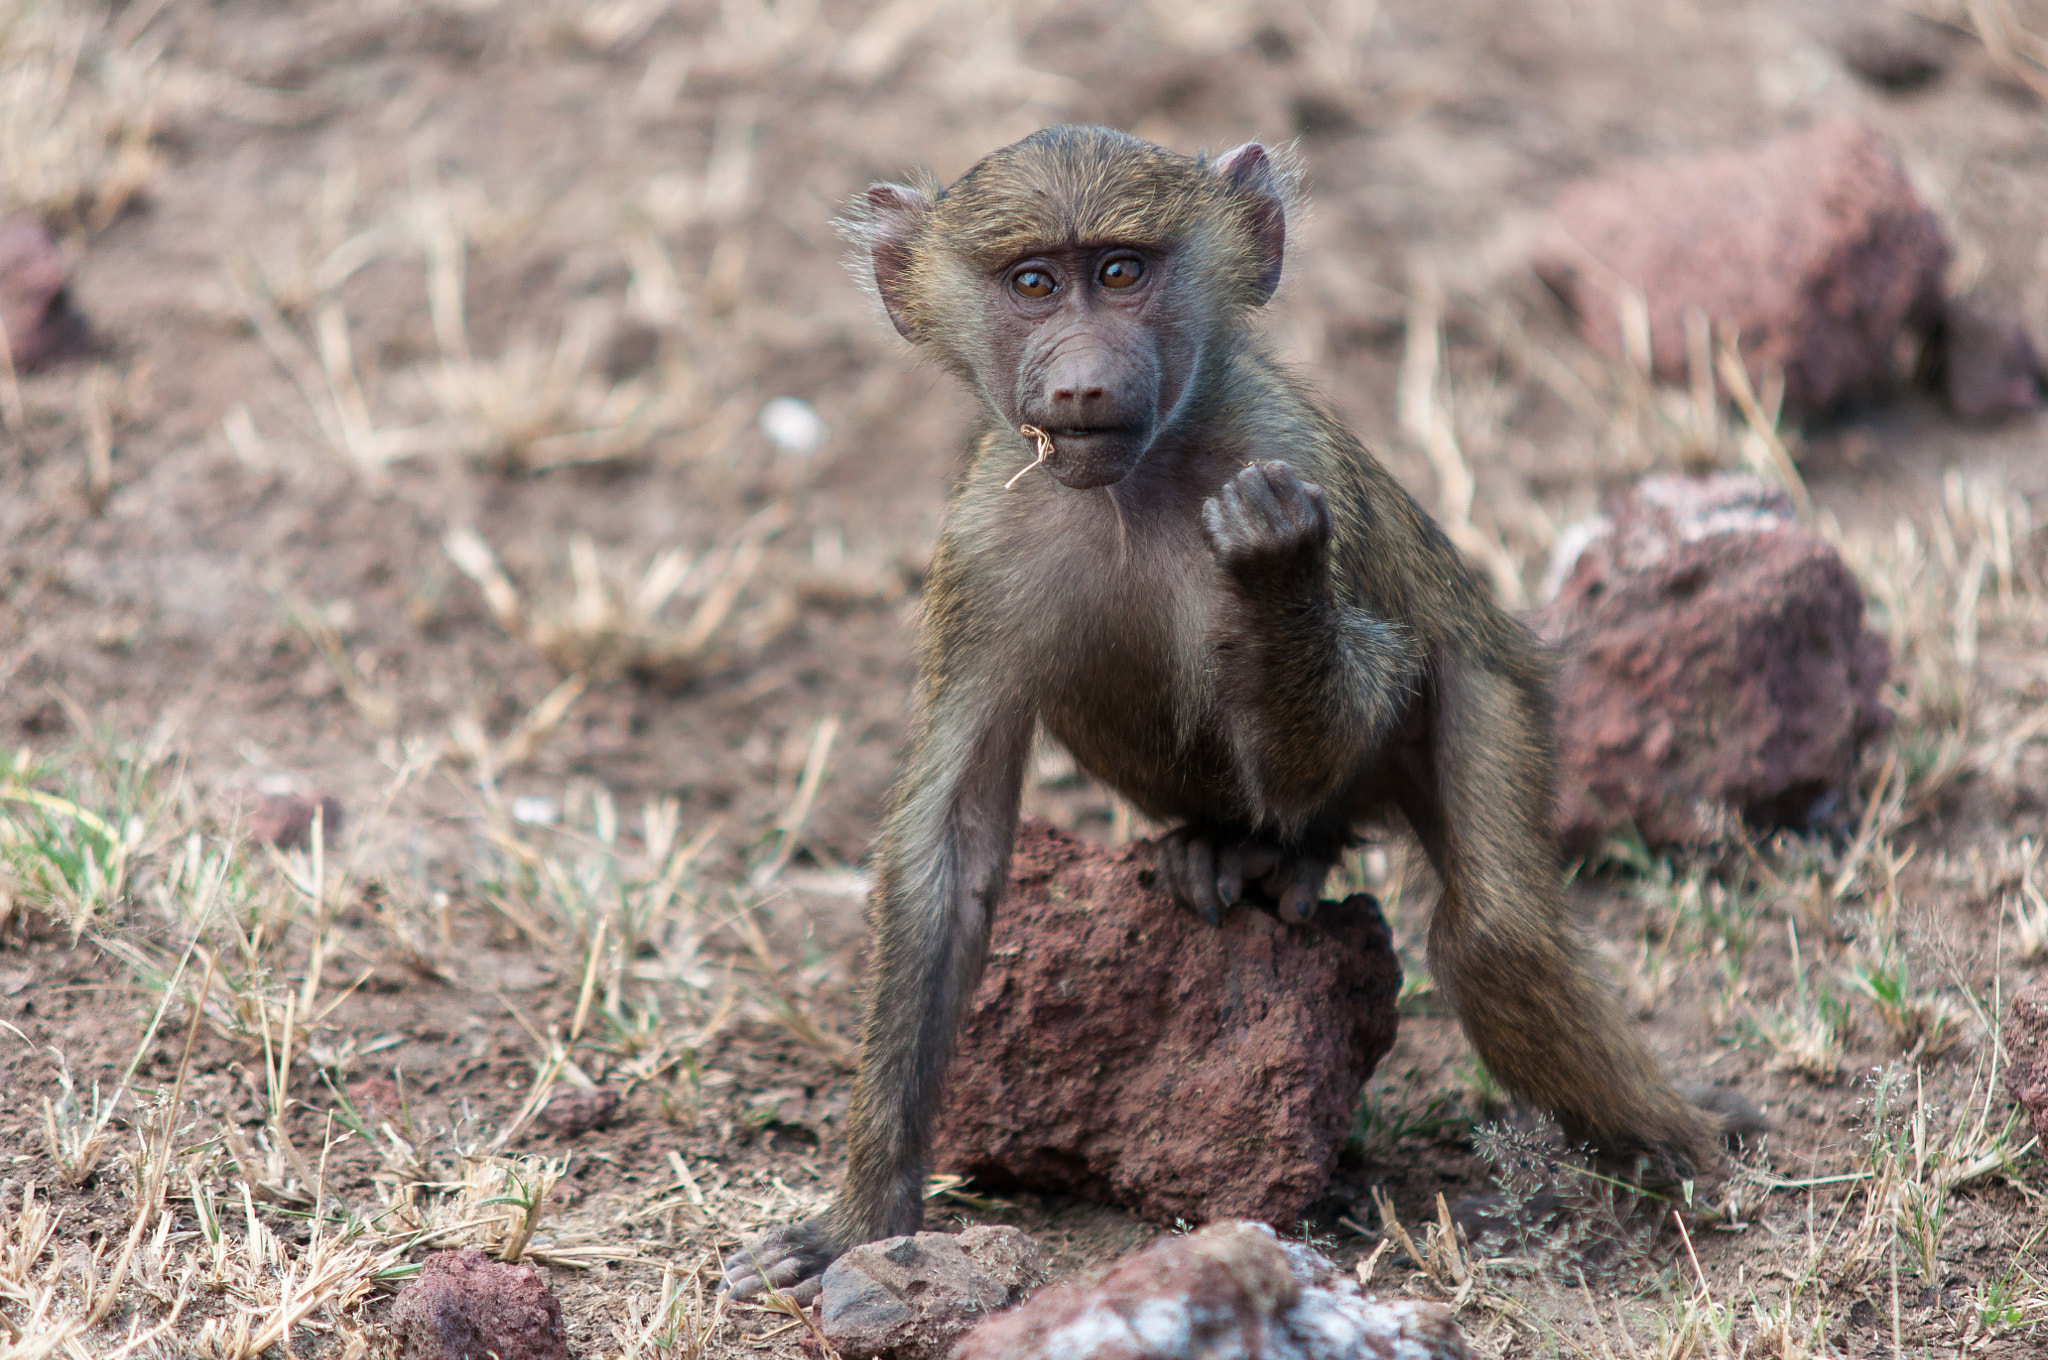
x=1250 y=171
x=894 y=215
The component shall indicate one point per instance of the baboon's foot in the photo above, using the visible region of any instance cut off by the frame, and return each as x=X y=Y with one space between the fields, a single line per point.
x=1210 y=878
x=791 y=1259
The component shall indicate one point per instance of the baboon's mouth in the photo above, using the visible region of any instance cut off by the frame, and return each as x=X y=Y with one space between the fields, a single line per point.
x=1097 y=456
x=1094 y=432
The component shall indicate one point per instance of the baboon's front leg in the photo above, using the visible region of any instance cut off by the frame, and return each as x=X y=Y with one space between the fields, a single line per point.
x=1310 y=684
x=941 y=865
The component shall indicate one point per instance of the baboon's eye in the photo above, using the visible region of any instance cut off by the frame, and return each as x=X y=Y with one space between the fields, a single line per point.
x=1034 y=283
x=1122 y=272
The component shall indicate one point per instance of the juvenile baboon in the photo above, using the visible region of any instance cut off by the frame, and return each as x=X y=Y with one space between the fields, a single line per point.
x=1228 y=611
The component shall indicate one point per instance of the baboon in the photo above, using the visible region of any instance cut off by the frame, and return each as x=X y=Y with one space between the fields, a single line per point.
x=1228 y=611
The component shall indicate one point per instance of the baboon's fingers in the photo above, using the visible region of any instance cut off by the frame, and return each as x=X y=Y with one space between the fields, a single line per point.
x=1169 y=861
x=787 y=1259
x=1230 y=875
x=784 y=1274
x=1201 y=883
x=1303 y=891
x=1239 y=866
x=1186 y=865
x=1742 y=1120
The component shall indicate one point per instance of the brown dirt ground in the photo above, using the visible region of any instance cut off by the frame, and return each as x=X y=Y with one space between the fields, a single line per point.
x=176 y=598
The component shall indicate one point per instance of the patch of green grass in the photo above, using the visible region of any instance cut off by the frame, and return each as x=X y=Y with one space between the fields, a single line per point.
x=71 y=832
x=1388 y=1117
x=1803 y=1034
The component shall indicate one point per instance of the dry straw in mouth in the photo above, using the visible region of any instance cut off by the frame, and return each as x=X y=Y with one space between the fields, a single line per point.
x=1044 y=442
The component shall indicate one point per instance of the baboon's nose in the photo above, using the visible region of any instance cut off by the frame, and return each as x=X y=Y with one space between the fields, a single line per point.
x=1079 y=391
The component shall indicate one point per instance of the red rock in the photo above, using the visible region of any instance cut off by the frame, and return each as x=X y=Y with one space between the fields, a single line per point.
x=579 y=1109
x=1712 y=651
x=285 y=820
x=465 y=1306
x=35 y=299
x=1985 y=363
x=912 y=1298
x=2026 y=1042
x=1812 y=248
x=1114 y=1034
x=1230 y=1290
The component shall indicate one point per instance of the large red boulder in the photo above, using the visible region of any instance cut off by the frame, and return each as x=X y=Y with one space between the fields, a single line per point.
x=1230 y=1290
x=1711 y=653
x=2026 y=1042
x=1811 y=248
x=1121 y=1049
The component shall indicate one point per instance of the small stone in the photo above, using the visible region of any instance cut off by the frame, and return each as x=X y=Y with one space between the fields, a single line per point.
x=35 y=296
x=536 y=809
x=1086 y=1068
x=912 y=1298
x=579 y=1109
x=792 y=425
x=1812 y=249
x=1985 y=363
x=1233 y=1289
x=465 y=1306
x=285 y=820
x=2026 y=1039
x=1712 y=654
x=1890 y=48
x=633 y=347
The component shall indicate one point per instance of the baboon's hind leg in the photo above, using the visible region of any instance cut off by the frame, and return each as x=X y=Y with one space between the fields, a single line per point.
x=1504 y=950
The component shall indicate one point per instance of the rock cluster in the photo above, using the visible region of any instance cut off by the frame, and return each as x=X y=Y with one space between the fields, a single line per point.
x=1711 y=653
x=1114 y=1034
x=1231 y=1290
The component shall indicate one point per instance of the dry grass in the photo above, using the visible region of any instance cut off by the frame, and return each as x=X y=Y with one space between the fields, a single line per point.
x=2011 y=31
x=623 y=907
x=543 y=403
x=83 y=101
x=676 y=617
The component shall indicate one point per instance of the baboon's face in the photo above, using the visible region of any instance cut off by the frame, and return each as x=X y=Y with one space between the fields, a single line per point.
x=1096 y=351
x=1076 y=279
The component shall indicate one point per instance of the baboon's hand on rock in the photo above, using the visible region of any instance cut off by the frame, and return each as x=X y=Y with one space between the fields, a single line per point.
x=1268 y=527
x=791 y=1259
x=1211 y=879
